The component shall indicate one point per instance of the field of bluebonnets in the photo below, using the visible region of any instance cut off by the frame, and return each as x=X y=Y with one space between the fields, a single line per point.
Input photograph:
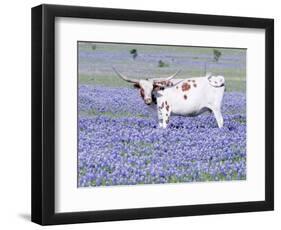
x=119 y=139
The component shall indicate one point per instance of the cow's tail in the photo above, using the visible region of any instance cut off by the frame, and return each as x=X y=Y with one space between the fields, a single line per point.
x=216 y=81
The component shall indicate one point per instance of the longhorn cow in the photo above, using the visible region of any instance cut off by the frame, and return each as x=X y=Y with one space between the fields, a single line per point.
x=190 y=97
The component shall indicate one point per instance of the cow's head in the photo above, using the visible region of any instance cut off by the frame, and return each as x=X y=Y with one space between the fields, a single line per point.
x=146 y=86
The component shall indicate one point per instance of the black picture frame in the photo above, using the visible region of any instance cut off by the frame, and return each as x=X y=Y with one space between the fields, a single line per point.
x=43 y=114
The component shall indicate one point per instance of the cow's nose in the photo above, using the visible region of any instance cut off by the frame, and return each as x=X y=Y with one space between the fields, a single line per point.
x=148 y=101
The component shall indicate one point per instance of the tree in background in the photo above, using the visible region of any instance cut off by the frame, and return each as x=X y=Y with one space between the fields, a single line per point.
x=217 y=55
x=134 y=53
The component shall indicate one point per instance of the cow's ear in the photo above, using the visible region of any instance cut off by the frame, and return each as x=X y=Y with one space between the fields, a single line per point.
x=137 y=86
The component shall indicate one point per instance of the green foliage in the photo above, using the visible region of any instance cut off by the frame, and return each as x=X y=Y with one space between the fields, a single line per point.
x=162 y=64
x=173 y=179
x=113 y=115
x=134 y=53
x=217 y=54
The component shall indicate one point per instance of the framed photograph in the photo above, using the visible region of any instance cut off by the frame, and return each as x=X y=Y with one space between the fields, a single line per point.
x=142 y=114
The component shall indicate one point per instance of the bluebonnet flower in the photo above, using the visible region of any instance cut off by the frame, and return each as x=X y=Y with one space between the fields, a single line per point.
x=120 y=142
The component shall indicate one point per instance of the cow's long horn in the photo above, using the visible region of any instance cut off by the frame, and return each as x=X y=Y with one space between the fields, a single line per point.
x=172 y=76
x=168 y=78
x=124 y=77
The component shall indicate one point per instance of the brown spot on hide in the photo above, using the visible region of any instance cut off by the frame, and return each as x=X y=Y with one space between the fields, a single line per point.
x=170 y=83
x=167 y=108
x=177 y=87
x=185 y=97
x=166 y=103
x=195 y=85
x=142 y=92
x=193 y=81
x=167 y=121
x=162 y=105
x=185 y=87
x=157 y=88
x=165 y=83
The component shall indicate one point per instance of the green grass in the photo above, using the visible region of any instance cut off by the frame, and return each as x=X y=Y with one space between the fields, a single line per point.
x=97 y=70
x=232 y=83
x=110 y=114
x=114 y=47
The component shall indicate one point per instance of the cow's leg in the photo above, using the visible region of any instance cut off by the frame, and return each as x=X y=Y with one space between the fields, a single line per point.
x=166 y=115
x=164 y=111
x=218 y=117
x=160 y=113
x=160 y=119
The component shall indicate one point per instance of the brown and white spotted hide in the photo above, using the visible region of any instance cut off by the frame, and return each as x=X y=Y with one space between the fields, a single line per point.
x=191 y=97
